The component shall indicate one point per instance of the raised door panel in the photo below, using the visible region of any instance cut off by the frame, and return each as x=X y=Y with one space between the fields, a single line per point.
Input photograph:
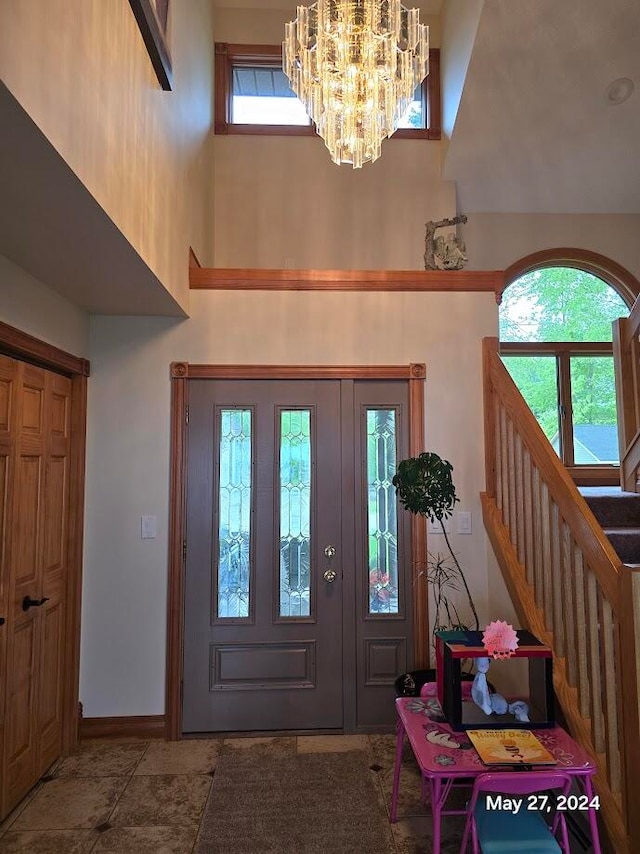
x=20 y=760
x=27 y=489
x=50 y=686
x=54 y=571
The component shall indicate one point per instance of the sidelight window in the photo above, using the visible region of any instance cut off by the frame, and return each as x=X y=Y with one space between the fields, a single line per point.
x=295 y=513
x=234 y=497
x=382 y=540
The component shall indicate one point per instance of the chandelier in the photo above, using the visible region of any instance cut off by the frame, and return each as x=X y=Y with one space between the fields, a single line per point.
x=355 y=65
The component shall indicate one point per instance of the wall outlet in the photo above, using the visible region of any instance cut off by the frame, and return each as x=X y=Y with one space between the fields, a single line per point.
x=464 y=522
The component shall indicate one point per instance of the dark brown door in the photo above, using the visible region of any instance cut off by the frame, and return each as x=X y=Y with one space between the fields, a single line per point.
x=34 y=486
x=296 y=611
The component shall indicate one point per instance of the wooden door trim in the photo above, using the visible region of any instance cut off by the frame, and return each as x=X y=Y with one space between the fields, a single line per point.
x=419 y=586
x=184 y=370
x=181 y=372
x=20 y=345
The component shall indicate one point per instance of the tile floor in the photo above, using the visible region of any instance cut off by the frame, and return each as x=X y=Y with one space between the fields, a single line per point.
x=135 y=798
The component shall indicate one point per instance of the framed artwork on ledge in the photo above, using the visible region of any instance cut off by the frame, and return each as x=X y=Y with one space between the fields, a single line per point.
x=153 y=19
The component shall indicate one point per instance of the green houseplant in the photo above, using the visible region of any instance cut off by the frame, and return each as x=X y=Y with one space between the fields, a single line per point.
x=424 y=486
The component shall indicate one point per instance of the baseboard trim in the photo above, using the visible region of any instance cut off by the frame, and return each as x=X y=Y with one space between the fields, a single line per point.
x=138 y=726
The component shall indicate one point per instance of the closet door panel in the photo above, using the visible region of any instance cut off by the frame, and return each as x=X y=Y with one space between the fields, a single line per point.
x=54 y=570
x=19 y=749
x=8 y=396
x=25 y=544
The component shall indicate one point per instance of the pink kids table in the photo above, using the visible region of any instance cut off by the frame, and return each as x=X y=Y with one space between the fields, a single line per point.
x=446 y=758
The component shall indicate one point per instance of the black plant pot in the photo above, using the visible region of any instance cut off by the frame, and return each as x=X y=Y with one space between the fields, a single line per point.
x=410 y=684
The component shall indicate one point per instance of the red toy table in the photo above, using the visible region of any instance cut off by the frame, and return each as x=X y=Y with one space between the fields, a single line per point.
x=441 y=766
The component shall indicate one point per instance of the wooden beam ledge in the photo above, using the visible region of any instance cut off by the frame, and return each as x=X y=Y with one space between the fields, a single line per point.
x=219 y=278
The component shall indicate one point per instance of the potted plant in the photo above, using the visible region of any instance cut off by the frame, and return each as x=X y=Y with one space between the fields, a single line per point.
x=424 y=486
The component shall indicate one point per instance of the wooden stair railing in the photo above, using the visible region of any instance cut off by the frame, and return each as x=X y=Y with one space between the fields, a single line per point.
x=570 y=589
x=626 y=359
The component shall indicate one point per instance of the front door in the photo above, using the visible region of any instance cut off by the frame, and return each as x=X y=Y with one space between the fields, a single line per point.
x=296 y=613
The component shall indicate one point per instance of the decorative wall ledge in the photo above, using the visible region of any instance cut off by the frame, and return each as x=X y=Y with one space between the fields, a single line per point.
x=214 y=278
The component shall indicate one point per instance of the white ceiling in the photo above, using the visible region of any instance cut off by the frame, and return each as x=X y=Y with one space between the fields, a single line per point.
x=534 y=132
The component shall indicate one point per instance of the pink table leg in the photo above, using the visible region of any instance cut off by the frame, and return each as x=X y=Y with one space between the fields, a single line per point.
x=593 y=820
x=436 y=811
x=396 y=770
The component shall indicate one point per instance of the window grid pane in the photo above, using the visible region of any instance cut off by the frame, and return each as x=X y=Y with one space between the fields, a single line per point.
x=234 y=530
x=382 y=512
x=537 y=379
x=295 y=513
x=593 y=399
x=263 y=96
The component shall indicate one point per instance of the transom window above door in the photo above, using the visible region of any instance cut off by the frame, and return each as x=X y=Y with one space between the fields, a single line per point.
x=253 y=96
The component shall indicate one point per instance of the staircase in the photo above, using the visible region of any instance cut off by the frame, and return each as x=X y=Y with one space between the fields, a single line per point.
x=571 y=587
x=618 y=513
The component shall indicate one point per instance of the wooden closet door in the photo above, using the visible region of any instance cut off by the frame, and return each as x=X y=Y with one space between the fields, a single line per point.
x=8 y=398
x=37 y=494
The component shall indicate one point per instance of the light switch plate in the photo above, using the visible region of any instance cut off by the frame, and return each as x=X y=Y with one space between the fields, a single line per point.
x=464 y=522
x=148 y=527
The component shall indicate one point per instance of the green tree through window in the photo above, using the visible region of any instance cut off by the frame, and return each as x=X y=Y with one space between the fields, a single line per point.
x=559 y=304
x=565 y=306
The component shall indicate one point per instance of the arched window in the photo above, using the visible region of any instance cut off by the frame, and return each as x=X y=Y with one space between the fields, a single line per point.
x=555 y=341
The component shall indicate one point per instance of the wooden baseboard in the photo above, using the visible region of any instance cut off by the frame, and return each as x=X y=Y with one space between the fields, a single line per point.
x=139 y=726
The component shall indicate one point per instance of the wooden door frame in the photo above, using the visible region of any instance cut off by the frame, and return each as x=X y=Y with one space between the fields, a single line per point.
x=181 y=373
x=20 y=345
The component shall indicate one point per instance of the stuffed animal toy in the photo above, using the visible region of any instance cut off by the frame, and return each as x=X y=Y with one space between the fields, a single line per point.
x=494 y=703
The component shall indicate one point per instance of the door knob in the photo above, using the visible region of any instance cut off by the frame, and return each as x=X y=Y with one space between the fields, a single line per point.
x=329 y=575
x=330 y=551
x=28 y=602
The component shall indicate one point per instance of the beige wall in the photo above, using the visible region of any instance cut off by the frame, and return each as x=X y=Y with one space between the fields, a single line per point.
x=266 y=26
x=81 y=71
x=281 y=202
x=32 y=307
x=124 y=598
x=495 y=241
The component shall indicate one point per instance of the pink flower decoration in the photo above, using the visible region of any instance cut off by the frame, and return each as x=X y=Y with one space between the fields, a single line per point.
x=500 y=639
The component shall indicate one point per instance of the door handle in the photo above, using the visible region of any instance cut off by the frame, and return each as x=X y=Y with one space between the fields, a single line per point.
x=330 y=575
x=28 y=602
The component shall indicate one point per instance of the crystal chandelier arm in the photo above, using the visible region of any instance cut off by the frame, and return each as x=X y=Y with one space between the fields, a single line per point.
x=355 y=65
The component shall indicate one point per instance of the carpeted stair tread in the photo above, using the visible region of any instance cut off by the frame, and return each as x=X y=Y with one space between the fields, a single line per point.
x=616 y=509
x=618 y=513
x=626 y=542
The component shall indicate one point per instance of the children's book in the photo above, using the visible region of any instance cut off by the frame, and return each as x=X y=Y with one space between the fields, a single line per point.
x=509 y=747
